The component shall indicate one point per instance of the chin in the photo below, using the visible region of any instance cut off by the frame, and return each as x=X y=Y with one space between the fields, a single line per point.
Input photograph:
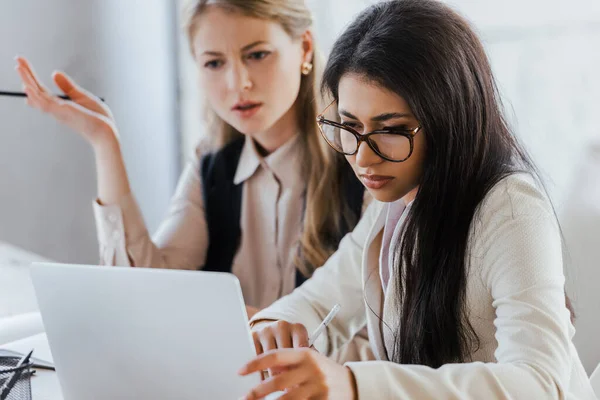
x=384 y=196
x=250 y=127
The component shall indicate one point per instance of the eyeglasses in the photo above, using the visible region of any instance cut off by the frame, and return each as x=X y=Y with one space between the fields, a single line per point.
x=391 y=144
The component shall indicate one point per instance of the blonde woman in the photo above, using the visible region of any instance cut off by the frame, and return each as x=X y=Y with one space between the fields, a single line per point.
x=263 y=197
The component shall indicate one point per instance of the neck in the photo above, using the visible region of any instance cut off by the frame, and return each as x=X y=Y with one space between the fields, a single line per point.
x=410 y=196
x=278 y=134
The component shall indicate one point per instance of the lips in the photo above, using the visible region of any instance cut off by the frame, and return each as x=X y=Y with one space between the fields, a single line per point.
x=375 y=181
x=246 y=109
x=245 y=105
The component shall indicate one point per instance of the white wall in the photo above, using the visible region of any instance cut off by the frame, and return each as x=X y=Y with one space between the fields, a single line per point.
x=121 y=50
x=581 y=228
x=544 y=55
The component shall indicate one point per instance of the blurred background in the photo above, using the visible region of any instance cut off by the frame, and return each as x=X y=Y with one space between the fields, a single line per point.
x=545 y=54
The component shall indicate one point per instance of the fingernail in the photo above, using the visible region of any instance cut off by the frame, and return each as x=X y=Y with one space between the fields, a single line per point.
x=242 y=371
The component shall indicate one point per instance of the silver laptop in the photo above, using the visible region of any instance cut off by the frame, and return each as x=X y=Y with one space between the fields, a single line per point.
x=136 y=333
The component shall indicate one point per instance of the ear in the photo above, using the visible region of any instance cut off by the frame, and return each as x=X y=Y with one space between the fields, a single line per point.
x=307 y=46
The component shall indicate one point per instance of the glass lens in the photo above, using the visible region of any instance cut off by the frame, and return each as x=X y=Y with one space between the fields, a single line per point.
x=340 y=139
x=393 y=147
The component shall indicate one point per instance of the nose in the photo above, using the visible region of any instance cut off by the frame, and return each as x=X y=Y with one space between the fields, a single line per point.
x=365 y=156
x=238 y=77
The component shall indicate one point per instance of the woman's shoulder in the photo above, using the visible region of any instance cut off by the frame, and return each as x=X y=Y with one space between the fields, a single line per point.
x=516 y=195
x=204 y=146
x=193 y=158
x=515 y=227
x=515 y=205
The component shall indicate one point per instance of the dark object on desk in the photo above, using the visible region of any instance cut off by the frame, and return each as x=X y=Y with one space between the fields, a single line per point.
x=21 y=94
x=15 y=378
x=35 y=362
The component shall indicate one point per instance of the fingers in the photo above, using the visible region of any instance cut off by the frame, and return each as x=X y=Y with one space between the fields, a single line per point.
x=280 y=335
x=29 y=73
x=257 y=345
x=268 y=342
x=299 y=336
x=275 y=360
x=303 y=391
x=283 y=337
x=41 y=100
x=37 y=95
x=289 y=379
x=75 y=116
x=28 y=81
x=66 y=84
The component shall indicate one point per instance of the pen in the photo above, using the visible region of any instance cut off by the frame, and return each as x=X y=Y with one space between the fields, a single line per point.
x=22 y=94
x=315 y=335
x=10 y=382
x=317 y=332
x=35 y=362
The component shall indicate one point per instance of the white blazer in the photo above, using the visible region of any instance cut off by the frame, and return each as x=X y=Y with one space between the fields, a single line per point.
x=515 y=298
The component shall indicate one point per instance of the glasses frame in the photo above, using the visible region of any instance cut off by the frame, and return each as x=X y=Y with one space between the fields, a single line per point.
x=408 y=133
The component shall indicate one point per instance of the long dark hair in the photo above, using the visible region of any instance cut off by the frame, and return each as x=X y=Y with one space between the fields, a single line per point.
x=428 y=54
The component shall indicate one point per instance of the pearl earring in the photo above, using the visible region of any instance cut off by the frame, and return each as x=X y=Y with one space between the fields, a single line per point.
x=306 y=68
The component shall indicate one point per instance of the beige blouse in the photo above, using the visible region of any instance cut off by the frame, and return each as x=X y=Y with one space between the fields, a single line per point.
x=271 y=217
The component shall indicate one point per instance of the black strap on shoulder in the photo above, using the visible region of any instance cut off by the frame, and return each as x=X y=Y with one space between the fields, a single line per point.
x=222 y=205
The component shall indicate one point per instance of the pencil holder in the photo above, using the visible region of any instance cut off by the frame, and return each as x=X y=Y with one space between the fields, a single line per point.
x=21 y=390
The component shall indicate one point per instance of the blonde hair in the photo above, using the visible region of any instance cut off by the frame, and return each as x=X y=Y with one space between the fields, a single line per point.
x=320 y=166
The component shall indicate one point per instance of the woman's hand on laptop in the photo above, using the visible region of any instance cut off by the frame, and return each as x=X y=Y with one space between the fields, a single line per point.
x=302 y=374
x=279 y=335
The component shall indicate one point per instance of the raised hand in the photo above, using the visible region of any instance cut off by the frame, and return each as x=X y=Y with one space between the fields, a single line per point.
x=84 y=113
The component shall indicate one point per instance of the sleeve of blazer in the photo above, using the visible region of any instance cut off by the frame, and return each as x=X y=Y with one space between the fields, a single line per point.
x=181 y=240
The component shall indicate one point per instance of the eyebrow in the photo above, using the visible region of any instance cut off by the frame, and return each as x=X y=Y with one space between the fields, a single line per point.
x=245 y=48
x=378 y=118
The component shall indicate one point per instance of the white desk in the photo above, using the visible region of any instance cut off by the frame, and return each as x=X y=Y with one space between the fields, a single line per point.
x=45 y=386
x=16 y=290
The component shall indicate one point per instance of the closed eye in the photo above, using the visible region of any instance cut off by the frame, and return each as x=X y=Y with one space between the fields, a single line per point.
x=397 y=129
x=350 y=124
